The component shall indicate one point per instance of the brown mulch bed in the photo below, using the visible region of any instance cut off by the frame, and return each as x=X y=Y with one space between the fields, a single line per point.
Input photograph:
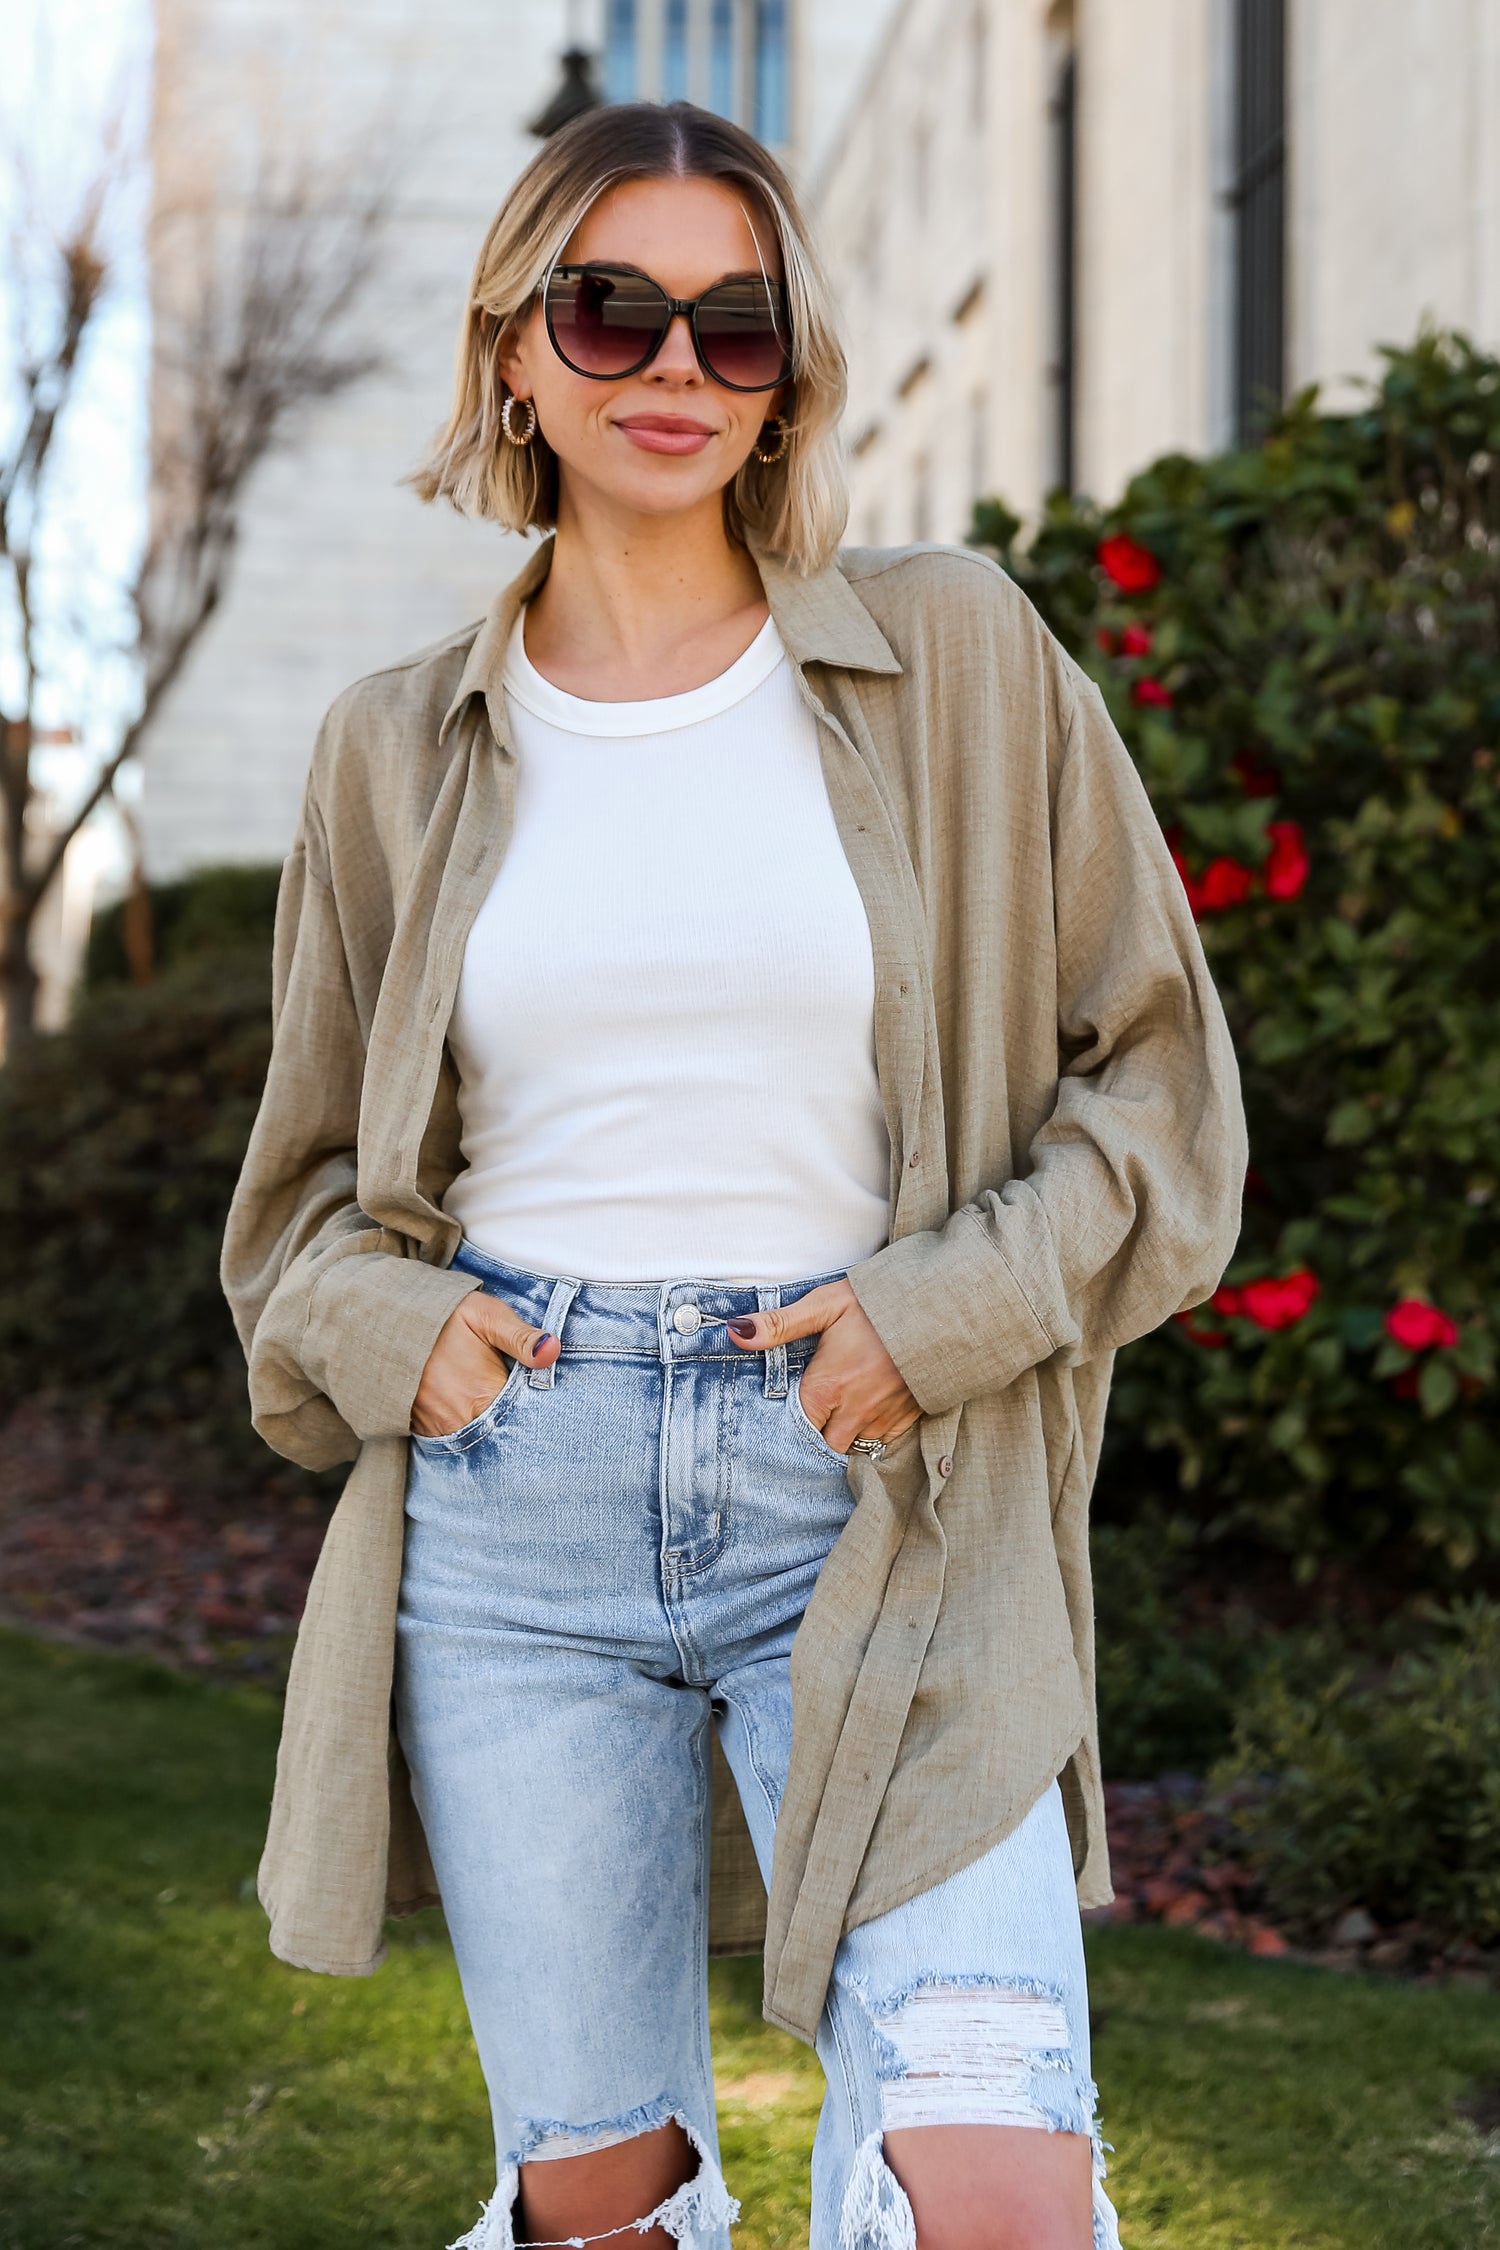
x=133 y=1542
x=1173 y=1854
x=128 y=1541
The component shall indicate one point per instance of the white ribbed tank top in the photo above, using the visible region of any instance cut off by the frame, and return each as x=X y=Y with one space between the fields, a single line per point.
x=664 y=1027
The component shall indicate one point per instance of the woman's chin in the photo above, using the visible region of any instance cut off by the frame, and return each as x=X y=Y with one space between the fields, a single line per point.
x=655 y=484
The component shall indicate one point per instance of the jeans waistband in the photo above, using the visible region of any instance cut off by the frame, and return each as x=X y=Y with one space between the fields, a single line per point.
x=661 y=1320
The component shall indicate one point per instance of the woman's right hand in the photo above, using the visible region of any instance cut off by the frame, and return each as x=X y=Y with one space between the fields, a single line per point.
x=468 y=1365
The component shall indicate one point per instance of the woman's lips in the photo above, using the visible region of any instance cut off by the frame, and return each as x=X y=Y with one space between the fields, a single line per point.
x=665 y=433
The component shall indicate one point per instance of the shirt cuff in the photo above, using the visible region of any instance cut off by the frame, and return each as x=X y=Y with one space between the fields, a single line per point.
x=372 y=1321
x=950 y=1312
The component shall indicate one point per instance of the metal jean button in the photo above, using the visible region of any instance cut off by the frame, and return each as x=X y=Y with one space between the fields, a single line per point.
x=687 y=1320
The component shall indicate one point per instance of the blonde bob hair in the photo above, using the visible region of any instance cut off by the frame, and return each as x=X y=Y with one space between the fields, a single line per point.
x=795 y=507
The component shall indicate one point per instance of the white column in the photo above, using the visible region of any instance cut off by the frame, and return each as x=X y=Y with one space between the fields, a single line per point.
x=1145 y=210
x=1394 y=208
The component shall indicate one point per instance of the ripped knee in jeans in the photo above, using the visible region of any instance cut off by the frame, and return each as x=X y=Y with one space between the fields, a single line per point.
x=695 y=2214
x=967 y=2051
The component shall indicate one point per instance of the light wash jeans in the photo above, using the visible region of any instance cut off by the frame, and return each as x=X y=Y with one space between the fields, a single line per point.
x=611 y=1558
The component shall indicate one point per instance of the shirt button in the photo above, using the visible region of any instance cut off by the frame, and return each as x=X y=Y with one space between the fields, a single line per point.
x=687 y=1320
x=945 y=1465
x=914 y=1159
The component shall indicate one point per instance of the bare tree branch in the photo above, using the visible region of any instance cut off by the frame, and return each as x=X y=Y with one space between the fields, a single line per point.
x=254 y=324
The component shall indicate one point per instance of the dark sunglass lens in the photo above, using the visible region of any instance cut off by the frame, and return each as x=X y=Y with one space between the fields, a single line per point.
x=603 y=322
x=743 y=336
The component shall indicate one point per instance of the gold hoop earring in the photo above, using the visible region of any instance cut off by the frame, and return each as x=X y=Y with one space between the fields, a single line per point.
x=530 y=430
x=783 y=440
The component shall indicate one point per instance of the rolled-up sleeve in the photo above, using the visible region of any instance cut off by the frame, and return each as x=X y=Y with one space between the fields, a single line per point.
x=1126 y=1208
x=337 y=1315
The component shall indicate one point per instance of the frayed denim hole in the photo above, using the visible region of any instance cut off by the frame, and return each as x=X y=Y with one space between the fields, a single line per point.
x=978 y=2050
x=875 y=2213
x=1002 y=2072
x=693 y=2214
x=495 y=2227
x=647 y=2117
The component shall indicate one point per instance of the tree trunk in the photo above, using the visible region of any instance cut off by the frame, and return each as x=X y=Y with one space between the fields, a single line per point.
x=18 y=978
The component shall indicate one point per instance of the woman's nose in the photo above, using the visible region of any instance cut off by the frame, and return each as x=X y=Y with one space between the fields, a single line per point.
x=676 y=361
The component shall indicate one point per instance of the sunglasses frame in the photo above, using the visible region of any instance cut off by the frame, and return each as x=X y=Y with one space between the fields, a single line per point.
x=672 y=306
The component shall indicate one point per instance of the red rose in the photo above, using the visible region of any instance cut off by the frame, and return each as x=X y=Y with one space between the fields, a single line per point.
x=1135 y=640
x=1226 y=1299
x=1278 y=1302
x=1287 y=863
x=1150 y=691
x=1105 y=639
x=1225 y=883
x=1255 y=779
x=1405 y=1384
x=1134 y=569
x=1420 y=1327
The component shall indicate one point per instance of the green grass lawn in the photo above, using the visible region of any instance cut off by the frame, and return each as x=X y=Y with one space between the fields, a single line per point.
x=166 y=2085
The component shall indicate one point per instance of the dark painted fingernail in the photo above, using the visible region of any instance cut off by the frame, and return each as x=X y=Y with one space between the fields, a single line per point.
x=742 y=1330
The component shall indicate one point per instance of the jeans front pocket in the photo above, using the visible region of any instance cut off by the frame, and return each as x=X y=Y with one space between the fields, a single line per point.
x=484 y=1425
x=806 y=1428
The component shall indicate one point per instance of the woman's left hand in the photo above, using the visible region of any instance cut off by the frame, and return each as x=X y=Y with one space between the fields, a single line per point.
x=851 y=1387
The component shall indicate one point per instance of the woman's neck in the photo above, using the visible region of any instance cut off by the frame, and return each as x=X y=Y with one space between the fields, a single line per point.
x=642 y=607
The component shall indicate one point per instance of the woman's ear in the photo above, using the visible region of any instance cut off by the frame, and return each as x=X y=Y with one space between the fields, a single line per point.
x=510 y=358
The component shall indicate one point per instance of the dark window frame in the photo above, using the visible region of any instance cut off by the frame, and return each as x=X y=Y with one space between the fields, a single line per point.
x=1063 y=115
x=1256 y=199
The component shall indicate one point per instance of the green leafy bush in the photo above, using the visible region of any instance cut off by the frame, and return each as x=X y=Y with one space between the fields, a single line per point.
x=1381 y=1792
x=120 y=1142
x=213 y=910
x=1169 y=1679
x=1301 y=645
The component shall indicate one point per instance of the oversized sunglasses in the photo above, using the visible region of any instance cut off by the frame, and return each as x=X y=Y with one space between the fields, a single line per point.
x=610 y=321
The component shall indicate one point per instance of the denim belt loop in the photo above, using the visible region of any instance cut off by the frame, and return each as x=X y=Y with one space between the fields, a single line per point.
x=768 y=1298
x=563 y=1293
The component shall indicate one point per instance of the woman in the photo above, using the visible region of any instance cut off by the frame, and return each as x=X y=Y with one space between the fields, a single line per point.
x=743 y=1063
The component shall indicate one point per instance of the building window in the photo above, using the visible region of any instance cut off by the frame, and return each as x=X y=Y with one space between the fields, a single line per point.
x=721 y=57
x=770 y=71
x=1063 y=122
x=674 y=51
x=619 y=51
x=1257 y=202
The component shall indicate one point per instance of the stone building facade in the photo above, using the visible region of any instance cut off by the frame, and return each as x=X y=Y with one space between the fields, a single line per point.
x=1070 y=234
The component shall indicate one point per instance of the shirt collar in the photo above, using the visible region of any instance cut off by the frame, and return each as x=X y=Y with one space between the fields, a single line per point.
x=820 y=618
x=485 y=666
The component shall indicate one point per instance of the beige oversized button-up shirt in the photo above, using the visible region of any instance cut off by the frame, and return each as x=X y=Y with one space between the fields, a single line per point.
x=1067 y=1154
